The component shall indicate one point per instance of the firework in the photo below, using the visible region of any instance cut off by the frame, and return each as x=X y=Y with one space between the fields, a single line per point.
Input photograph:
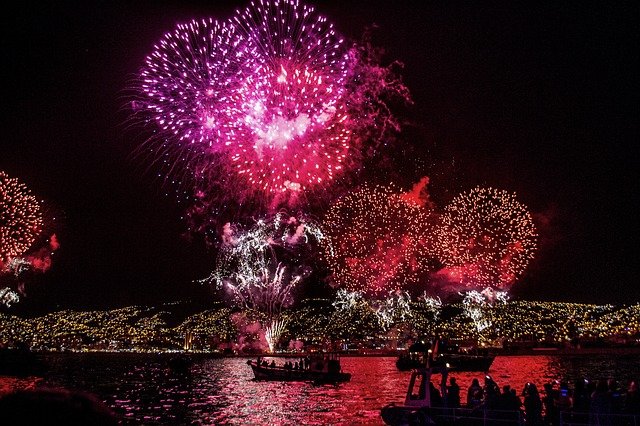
x=379 y=240
x=486 y=239
x=8 y=297
x=281 y=239
x=295 y=125
x=258 y=94
x=430 y=304
x=479 y=306
x=260 y=268
x=396 y=307
x=20 y=218
x=266 y=106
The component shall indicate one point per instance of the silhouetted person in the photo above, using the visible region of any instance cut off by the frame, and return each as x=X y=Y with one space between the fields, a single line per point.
x=453 y=394
x=474 y=394
x=273 y=364
x=615 y=396
x=564 y=400
x=434 y=394
x=515 y=401
x=581 y=397
x=551 y=415
x=503 y=399
x=600 y=404
x=632 y=399
x=532 y=405
x=491 y=393
x=54 y=407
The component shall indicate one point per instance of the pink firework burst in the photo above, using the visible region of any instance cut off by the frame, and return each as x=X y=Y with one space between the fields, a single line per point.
x=486 y=239
x=259 y=94
x=295 y=129
x=380 y=240
x=189 y=84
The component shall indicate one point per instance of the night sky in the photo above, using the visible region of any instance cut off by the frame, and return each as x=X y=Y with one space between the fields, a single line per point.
x=539 y=99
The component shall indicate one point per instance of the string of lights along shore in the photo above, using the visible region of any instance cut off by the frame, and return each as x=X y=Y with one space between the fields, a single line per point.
x=274 y=106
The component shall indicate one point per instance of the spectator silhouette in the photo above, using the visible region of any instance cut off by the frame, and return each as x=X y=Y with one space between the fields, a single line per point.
x=54 y=407
x=532 y=405
x=600 y=404
x=474 y=394
x=453 y=394
x=632 y=399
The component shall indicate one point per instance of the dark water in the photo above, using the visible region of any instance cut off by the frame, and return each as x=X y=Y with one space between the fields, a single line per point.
x=221 y=391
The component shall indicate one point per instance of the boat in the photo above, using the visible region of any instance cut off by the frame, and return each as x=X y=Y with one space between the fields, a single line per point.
x=318 y=369
x=452 y=357
x=426 y=404
x=419 y=399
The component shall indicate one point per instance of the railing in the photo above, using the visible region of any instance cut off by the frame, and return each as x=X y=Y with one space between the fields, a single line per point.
x=479 y=416
x=572 y=418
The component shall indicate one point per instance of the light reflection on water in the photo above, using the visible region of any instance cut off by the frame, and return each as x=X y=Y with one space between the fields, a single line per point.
x=221 y=391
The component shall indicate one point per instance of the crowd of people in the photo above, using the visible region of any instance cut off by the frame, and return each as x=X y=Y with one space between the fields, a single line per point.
x=303 y=364
x=599 y=402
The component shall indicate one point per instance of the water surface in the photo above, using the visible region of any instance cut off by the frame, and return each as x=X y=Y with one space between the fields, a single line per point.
x=143 y=390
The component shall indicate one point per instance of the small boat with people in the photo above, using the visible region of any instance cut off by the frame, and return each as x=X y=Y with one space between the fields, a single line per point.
x=443 y=354
x=322 y=368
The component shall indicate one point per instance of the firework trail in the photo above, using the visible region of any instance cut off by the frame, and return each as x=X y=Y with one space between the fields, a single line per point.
x=261 y=268
x=262 y=108
x=379 y=240
x=8 y=297
x=20 y=218
x=486 y=239
x=478 y=306
x=430 y=304
x=396 y=307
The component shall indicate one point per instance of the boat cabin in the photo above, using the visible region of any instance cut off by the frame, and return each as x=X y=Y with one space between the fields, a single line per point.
x=419 y=390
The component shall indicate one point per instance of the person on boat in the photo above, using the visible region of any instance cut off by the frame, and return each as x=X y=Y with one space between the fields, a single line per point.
x=632 y=399
x=615 y=395
x=504 y=398
x=296 y=366
x=551 y=413
x=600 y=403
x=515 y=401
x=434 y=394
x=273 y=364
x=564 y=401
x=474 y=394
x=532 y=405
x=581 y=399
x=265 y=363
x=453 y=394
x=491 y=393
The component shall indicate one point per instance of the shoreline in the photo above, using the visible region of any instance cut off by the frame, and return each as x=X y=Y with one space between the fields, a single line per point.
x=497 y=353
